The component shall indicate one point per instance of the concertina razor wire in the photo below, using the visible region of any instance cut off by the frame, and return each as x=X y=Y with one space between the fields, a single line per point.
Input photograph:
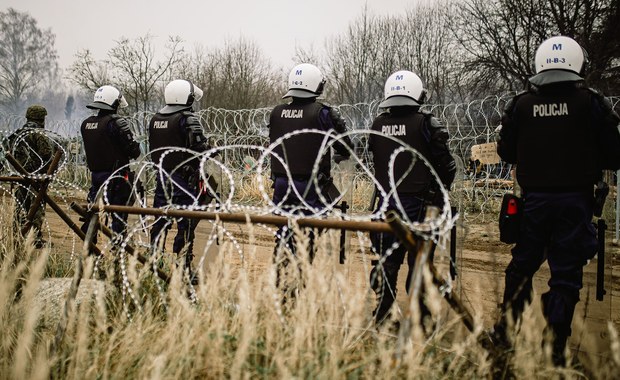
x=239 y=161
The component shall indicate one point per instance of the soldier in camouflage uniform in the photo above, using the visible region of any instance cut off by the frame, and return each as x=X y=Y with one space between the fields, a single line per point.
x=33 y=150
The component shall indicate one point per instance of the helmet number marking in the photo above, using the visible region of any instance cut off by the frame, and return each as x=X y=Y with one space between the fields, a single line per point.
x=556 y=60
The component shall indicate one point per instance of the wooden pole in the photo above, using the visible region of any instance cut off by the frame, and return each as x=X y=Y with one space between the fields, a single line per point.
x=14 y=179
x=42 y=191
x=422 y=249
x=107 y=232
x=63 y=215
x=241 y=218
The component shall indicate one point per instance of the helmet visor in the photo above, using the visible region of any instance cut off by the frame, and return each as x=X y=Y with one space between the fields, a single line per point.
x=122 y=102
x=197 y=93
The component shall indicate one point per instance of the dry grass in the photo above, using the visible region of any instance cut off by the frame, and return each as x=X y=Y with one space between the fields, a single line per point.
x=237 y=327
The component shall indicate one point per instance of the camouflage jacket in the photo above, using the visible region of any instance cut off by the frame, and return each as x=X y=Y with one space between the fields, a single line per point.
x=31 y=148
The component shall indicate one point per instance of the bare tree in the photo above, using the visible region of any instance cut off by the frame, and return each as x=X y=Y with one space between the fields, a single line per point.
x=357 y=61
x=501 y=37
x=237 y=76
x=132 y=67
x=137 y=68
x=430 y=49
x=28 y=59
x=499 y=40
x=88 y=73
x=595 y=24
x=373 y=47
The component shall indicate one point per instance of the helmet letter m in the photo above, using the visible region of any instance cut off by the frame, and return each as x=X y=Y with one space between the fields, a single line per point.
x=556 y=47
x=298 y=72
x=399 y=77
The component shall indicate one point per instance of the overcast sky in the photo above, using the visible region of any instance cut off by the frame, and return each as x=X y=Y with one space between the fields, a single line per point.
x=277 y=26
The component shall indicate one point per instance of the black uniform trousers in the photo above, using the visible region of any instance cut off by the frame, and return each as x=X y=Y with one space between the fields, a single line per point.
x=384 y=275
x=556 y=227
x=118 y=192
x=175 y=190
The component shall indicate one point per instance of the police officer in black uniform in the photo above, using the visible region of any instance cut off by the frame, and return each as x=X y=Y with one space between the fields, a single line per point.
x=109 y=145
x=176 y=126
x=560 y=134
x=293 y=181
x=404 y=122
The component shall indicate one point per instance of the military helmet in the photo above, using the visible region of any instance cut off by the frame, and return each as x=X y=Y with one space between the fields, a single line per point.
x=36 y=112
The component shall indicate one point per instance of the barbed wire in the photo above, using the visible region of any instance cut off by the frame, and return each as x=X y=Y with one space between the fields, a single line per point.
x=244 y=133
x=239 y=160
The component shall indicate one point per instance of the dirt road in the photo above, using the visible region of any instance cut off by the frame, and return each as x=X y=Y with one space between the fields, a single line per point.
x=481 y=263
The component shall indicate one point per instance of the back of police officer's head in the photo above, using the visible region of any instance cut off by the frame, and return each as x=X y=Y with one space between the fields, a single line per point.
x=403 y=89
x=36 y=114
x=180 y=95
x=107 y=99
x=305 y=81
x=559 y=59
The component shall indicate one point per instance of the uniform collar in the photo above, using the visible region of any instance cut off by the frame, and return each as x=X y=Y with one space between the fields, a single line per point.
x=554 y=76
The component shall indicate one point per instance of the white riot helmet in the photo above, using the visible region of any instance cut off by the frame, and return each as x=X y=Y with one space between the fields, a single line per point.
x=403 y=88
x=180 y=94
x=108 y=98
x=305 y=81
x=559 y=59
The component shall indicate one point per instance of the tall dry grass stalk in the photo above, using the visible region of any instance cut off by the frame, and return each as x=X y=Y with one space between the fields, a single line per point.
x=238 y=327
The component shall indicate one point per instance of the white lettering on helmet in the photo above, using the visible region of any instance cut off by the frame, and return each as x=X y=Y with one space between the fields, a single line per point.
x=553 y=109
x=292 y=114
x=394 y=130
